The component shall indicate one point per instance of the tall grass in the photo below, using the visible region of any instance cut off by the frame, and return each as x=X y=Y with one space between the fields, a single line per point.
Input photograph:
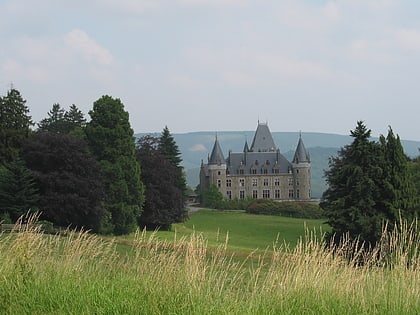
x=82 y=274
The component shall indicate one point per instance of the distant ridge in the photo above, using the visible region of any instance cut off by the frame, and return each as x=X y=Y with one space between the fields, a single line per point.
x=196 y=146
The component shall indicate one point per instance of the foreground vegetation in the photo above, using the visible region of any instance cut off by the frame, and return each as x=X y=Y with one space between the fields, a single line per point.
x=83 y=274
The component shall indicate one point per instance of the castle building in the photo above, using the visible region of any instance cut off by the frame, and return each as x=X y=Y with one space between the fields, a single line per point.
x=260 y=171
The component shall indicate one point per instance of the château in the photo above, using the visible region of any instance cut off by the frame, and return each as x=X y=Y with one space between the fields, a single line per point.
x=259 y=171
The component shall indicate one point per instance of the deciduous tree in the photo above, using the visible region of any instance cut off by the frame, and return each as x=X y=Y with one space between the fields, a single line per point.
x=69 y=178
x=164 y=199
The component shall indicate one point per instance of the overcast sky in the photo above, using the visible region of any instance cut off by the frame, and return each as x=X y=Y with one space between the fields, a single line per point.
x=204 y=65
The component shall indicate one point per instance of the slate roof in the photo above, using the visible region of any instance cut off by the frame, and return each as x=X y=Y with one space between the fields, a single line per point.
x=263 y=140
x=216 y=156
x=301 y=155
x=258 y=160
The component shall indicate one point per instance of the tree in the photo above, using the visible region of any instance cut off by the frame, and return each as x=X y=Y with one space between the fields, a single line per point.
x=111 y=141
x=55 y=121
x=15 y=124
x=61 y=121
x=212 y=197
x=164 y=199
x=18 y=190
x=170 y=150
x=399 y=193
x=69 y=179
x=350 y=203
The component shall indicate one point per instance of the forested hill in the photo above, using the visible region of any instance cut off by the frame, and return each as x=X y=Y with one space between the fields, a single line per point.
x=196 y=146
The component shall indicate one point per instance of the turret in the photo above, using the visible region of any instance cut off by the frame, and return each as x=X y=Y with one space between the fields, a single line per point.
x=301 y=165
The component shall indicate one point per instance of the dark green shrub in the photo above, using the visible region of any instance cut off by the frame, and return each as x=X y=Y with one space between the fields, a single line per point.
x=287 y=208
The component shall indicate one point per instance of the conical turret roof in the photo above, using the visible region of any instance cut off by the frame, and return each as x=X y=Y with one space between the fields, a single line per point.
x=216 y=156
x=301 y=155
x=263 y=140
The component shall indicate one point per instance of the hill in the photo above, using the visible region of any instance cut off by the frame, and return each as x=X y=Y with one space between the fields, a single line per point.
x=196 y=146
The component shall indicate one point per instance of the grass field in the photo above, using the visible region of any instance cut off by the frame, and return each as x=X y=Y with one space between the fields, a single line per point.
x=245 y=232
x=84 y=274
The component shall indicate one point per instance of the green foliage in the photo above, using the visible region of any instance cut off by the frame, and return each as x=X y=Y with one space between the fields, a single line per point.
x=81 y=273
x=164 y=198
x=69 y=178
x=399 y=192
x=170 y=150
x=368 y=184
x=213 y=198
x=414 y=170
x=61 y=121
x=18 y=190
x=286 y=209
x=15 y=124
x=111 y=141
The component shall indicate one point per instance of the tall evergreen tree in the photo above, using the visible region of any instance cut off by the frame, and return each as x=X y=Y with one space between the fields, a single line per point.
x=18 y=190
x=164 y=201
x=355 y=179
x=15 y=124
x=170 y=150
x=61 y=121
x=55 y=121
x=399 y=193
x=69 y=178
x=112 y=142
x=74 y=117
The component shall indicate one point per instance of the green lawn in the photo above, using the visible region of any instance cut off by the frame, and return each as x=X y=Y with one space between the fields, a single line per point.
x=246 y=232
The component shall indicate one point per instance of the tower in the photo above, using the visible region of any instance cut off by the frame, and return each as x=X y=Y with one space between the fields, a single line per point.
x=301 y=168
x=214 y=172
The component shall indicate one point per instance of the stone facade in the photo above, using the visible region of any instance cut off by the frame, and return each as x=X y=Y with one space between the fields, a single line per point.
x=260 y=171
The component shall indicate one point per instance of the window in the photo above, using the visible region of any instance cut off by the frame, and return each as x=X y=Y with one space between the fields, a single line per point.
x=253 y=171
x=242 y=194
x=255 y=182
x=297 y=194
x=297 y=182
x=276 y=181
x=265 y=182
x=265 y=171
x=255 y=194
x=266 y=193
x=219 y=173
x=229 y=194
x=219 y=183
x=241 y=171
x=228 y=183
x=242 y=182
x=290 y=181
x=277 y=194
x=290 y=193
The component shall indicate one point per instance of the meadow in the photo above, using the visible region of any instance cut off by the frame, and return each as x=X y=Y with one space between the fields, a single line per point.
x=196 y=272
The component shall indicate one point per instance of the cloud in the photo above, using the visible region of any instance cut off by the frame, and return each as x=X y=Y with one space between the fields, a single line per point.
x=198 y=148
x=80 y=42
x=212 y=2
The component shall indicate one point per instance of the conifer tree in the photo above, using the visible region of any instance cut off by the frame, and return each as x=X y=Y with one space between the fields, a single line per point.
x=112 y=143
x=170 y=150
x=55 y=121
x=355 y=178
x=61 y=121
x=18 y=190
x=15 y=124
x=399 y=193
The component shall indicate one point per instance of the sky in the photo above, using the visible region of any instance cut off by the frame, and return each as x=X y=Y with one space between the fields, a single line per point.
x=220 y=65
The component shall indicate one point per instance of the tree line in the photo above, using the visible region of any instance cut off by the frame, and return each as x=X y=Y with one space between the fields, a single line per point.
x=87 y=174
